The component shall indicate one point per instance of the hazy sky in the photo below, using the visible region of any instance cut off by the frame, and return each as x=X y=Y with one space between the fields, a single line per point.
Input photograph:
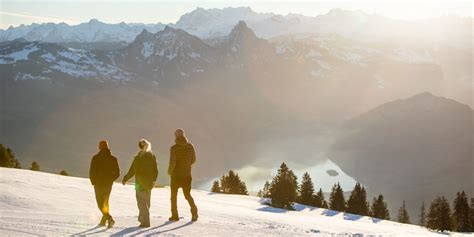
x=16 y=12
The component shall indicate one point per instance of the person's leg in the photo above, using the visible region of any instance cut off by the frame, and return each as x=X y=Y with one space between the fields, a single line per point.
x=106 y=210
x=99 y=198
x=139 y=205
x=146 y=214
x=174 y=194
x=143 y=207
x=187 y=194
x=108 y=217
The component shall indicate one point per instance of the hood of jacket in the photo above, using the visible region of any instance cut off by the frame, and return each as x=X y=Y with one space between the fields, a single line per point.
x=104 y=152
x=181 y=140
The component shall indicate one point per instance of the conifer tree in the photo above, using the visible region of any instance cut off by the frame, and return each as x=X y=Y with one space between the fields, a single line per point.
x=215 y=187
x=461 y=213
x=403 y=214
x=379 y=208
x=471 y=214
x=319 y=200
x=357 y=202
x=7 y=158
x=266 y=190
x=63 y=172
x=422 y=214
x=306 y=191
x=337 y=201
x=35 y=166
x=439 y=215
x=284 y=187
x=231 y=184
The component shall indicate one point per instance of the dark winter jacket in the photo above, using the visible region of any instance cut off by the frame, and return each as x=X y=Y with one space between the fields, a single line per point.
x=145 y=170
x=182 y=157
x=104 y=169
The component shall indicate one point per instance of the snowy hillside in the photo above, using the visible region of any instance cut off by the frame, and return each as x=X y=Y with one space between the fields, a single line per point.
x=35 y=203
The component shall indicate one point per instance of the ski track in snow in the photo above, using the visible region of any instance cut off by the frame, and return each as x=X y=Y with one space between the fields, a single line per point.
x=42 y=204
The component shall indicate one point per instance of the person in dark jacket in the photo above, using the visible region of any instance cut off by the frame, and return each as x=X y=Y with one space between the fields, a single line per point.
x=104 y=170
x=182 y=157
x=145 y=170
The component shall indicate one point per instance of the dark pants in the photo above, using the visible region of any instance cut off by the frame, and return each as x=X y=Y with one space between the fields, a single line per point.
x=183 y=182
x=102 y=194
x=143 y=203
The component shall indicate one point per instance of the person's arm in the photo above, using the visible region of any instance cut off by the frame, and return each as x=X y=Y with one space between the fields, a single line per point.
x=172 y=164
x=155 y=168
x=130 y=173
x=92 y=171
x=115 y=169
x=193 y=155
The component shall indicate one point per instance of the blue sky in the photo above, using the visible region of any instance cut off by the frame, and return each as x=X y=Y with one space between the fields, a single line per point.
x=16 y=12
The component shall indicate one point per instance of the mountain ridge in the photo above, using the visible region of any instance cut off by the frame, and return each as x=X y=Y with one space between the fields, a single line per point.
x=212 y=23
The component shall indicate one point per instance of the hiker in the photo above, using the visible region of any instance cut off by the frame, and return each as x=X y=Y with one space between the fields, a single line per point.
x=104 y=170
x=182 y=157
x=145 y=170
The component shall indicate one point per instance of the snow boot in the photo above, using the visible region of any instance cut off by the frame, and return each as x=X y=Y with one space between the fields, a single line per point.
x=194 y=214
x=144 y=225
x=173 y=218
x=111 y=223
x=103 y=221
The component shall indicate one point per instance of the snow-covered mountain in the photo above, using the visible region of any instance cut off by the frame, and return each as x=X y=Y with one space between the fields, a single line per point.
x=23 y=60
x=92 y=31
x=215 y=23
x=169 y=53
x=36 y=203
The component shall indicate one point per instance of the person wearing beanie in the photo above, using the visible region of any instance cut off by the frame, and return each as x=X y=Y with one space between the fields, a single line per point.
x=104 y=170
x=145 y=170
x=182 y=157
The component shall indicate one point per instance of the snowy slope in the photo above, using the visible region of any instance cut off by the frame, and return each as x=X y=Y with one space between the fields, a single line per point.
x=35 y=203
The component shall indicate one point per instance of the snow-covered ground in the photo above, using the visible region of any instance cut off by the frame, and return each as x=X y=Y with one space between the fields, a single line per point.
x=42 y=204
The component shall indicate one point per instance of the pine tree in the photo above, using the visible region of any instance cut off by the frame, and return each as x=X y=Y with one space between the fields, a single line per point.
x=63 y=172
x=337 y=201
x=266 y=190
x=35 y=166
x=439 y=215
x=357 y=202
x=306 y=191
x=7 y=158
x=461 y=213
x=403 y=214
x=379 y=208
x=283 y=190
x=319 y=200
x=422 y=214
x=215 y=187
x=231 y=184
x=471 y=214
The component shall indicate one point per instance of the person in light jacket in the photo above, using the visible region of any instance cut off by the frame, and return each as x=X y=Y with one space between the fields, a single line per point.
x=145 y=170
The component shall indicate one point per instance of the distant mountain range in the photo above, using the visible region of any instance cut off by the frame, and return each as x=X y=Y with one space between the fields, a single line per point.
x=214 y=23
